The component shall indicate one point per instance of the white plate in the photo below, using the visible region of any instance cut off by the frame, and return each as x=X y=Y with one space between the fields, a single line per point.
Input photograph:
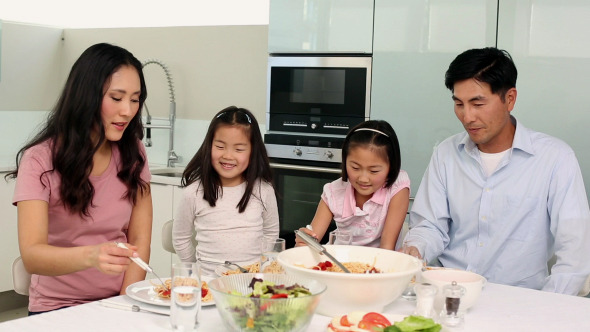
x=393 y=318
x=143 y=291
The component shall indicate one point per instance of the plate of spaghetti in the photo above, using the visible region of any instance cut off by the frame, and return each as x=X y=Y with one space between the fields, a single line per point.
x=153 y=292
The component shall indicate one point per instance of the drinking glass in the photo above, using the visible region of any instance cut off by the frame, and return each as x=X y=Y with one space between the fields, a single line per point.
x=185 y=299
x=270 y=251
x=340 y=236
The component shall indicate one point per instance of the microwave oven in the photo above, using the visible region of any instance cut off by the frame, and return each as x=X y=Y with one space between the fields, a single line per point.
x=318 y=94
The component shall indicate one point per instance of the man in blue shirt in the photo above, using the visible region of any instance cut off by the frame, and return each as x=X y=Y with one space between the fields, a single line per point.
x=501 y=199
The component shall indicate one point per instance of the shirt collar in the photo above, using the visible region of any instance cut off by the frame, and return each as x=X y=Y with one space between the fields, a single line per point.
x=521 y=140
x=349 y=208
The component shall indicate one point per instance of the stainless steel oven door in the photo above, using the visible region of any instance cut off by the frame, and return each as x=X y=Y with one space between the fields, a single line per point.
x=299 y=189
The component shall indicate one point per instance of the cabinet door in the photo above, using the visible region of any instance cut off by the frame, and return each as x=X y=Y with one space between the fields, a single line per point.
x=320 y=26
x=549 y=41
x=162 y=196
x=9 y=235
x=414 y=43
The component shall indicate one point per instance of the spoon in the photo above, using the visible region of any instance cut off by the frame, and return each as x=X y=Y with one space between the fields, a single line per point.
x=227 y=263
x=319 y=248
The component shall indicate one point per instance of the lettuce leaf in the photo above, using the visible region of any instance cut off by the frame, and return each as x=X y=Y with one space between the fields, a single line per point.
x=414 y=324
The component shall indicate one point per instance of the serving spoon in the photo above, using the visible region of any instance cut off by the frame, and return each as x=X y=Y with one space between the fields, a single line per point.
x=311 y=242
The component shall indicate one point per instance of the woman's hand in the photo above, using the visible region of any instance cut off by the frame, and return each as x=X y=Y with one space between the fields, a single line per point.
x=299 y=242
x=110 y=259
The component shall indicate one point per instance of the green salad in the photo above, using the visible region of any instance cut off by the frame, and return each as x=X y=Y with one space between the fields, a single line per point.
x=260 y=312
x=414 y=324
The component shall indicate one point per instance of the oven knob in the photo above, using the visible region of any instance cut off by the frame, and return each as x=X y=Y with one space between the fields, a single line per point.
x=298 y=152
x=314 y=126
x=329 y=154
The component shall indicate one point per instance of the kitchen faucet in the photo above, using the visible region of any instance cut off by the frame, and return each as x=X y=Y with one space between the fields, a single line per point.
x=172 y=157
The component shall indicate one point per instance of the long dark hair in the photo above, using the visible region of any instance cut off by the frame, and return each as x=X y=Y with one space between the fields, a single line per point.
x=74 y=119
x=379 y=134
x=201 y=168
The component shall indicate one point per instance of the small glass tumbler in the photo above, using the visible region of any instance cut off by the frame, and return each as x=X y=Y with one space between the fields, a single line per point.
x=185 y=298
x=340 y=236
x=425 y=294
x=270 y=251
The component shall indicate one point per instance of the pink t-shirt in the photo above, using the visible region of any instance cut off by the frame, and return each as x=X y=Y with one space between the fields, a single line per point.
x=110 y=213
x=365 y=224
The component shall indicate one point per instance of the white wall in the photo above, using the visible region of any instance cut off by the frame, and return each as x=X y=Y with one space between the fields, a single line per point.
x=212 y=67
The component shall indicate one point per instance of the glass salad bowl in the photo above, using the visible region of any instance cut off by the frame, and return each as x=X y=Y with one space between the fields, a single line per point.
x=277 y=309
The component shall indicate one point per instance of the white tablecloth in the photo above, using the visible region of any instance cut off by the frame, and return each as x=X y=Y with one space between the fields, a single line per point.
x=500 y=308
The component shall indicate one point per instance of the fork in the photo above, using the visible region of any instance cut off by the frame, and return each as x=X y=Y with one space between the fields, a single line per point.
x=226 y=263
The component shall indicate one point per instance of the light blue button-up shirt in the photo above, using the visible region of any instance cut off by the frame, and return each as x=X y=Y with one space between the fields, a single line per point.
x=506 y=226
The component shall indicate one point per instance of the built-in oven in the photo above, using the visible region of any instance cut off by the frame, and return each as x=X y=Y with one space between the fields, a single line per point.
x=313 y=101
x=301 y=165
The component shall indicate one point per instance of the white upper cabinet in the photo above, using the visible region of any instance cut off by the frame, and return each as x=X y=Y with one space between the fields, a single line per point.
x=414 y=43
x=321 y=26
x=549 y=41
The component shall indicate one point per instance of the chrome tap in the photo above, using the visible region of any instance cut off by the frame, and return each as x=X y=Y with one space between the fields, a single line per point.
x=172 y=157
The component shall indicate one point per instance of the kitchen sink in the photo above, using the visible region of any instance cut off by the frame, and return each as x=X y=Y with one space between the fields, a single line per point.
x=168 y=172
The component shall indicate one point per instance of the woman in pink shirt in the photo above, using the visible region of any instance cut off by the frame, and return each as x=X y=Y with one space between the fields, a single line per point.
x=371 y=199
x=83 y=182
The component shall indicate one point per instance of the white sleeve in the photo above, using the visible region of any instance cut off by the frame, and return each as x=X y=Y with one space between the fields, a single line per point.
x=270 y=214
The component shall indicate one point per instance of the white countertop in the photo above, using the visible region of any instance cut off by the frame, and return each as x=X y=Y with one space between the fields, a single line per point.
x=500 y=308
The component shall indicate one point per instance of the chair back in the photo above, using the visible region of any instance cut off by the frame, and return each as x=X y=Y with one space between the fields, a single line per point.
x=167 y=236
x=21 y=279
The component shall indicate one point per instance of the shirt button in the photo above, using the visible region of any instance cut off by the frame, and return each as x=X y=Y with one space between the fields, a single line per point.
x=484 y=218
x=480 y=244
x=487 y=190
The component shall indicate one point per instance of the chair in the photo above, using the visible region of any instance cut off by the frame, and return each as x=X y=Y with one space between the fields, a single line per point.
x=167 y=236
x=21 y=279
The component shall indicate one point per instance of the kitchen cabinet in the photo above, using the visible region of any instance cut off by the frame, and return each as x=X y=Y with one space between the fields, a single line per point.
x=550 y=43
x=9 y=235
x=320 y=26
x=162 y=199
x=414 y=42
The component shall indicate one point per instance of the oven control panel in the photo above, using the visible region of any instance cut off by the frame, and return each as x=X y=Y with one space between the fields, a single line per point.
x=296 y=147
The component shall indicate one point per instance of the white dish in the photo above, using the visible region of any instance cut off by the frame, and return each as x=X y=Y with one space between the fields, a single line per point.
x=349 y=292
x=392 y=318
x=143 y=291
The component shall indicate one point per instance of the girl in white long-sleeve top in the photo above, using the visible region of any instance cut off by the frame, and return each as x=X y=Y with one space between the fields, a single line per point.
x=228 y=198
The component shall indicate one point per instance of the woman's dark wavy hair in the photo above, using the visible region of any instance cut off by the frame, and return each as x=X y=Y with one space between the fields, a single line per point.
x=489 y=65
x=365 y=138
x=74 y=119
x=201 y=167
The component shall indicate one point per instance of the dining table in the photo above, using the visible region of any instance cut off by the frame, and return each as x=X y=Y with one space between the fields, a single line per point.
x=499 y=308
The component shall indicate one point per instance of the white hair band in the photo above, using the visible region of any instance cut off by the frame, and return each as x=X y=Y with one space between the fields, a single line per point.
x=373 y=130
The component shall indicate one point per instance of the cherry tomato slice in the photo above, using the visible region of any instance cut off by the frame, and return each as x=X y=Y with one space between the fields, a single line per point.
x=344 y=321
x=373 y=319
x=279 y=296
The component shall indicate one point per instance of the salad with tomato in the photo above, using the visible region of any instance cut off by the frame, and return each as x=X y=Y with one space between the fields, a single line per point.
x=267 y=307
x=376 y=322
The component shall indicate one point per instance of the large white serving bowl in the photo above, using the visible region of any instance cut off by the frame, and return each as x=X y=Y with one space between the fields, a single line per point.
x=472 y=282
x=349 y=292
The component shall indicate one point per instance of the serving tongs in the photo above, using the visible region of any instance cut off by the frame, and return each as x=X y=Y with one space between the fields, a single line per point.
x=313 y=243
x=220 y=262
x=140 y=263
